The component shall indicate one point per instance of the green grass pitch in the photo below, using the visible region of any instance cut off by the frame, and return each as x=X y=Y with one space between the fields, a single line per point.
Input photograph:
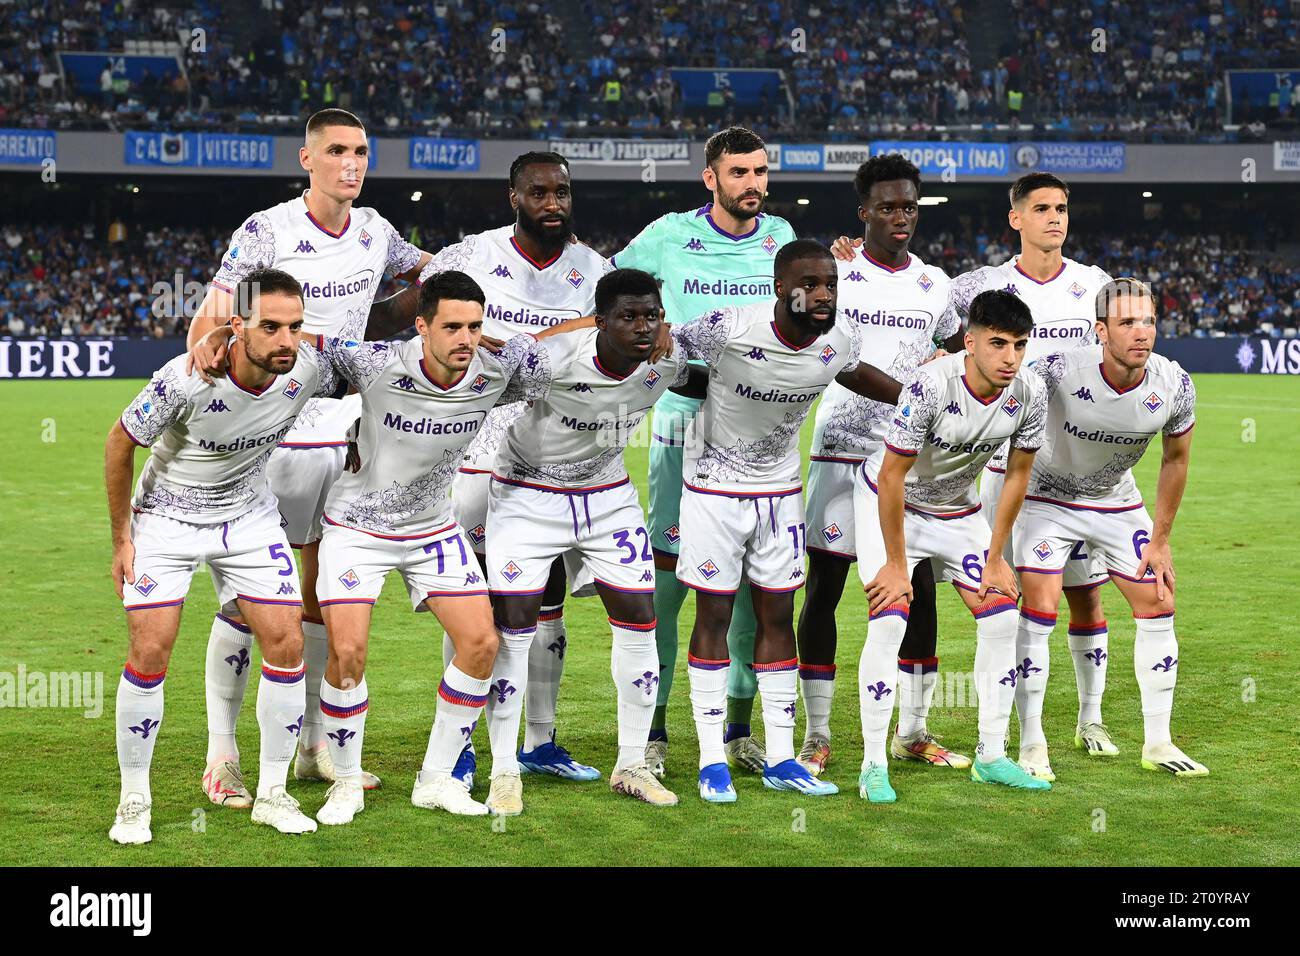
x=1238 y=621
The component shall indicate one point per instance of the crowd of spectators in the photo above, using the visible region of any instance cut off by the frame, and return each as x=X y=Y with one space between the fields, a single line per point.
x=523 y=67
x=74 y=281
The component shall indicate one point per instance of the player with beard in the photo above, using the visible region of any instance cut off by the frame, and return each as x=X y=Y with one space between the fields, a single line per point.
x=897 y=301
x=339 y=251
x=742 y=503
x=535 y=274
x=717 y=255
x=203 y=496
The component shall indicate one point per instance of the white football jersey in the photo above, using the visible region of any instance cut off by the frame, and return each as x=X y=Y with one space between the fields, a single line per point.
x=522 y=295
x=1064 y=307
x=210 y=443
x=1097 y=433
x=953 y=433
x=340 y=275
x=414 y=431
x=745 y=439
x=573 y=437
x=899 y=313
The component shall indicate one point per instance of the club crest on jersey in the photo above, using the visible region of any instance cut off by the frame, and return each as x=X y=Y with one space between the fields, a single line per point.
x=144 y=584
x=709 y=570
x=1153 y=402
x=365 y=239
x=828 y=353
x=672 y=534
x=1043 y=550
x=1011 y=406
x=694 y=246
x=501 y=272
x=511 y=571
x=575 y=278
x=832 y=532
x=477 y=534
x=1077 y=290
x=479 y=383
x=293 y=388
x=349 y=579
x=650 y=379
x=925 y=282
x=305 y=246
x=769 y=245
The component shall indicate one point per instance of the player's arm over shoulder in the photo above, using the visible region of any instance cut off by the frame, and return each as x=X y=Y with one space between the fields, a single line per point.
x=456 y=256
x=705 y=337
x=526 y=363
x=1031 y=429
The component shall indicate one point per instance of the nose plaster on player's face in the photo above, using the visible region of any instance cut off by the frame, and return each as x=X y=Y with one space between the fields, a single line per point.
x=350 y=171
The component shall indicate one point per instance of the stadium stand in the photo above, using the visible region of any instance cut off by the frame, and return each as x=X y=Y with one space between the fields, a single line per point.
x=68 y=280
x=508 y=67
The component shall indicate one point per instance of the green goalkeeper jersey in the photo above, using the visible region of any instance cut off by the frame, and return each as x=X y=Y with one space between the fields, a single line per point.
x=703 y=268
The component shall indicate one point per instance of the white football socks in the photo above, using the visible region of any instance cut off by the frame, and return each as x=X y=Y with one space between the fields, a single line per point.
x=877 y=671
x=817 y=682
x=634 y=665
x=461 y=699
x=315 y=654
x=225 y=677
x=545 y=668
x=917 y=678
x=505 y=696
x=343 y=718
x=1090 y=651
x=709 y=705
x=995 y=673
x=1032 y=654
x=1155 y=662
x=281 y=696
x=777 y=686
x=139 y=710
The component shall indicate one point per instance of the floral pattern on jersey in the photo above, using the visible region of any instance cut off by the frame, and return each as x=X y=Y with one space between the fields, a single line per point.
x=735 y=463
x=1033 y=423
x=386 y=510
x=930 y=493
x=705 y=337
x=1105 y=481
x=1051 y=369
x=1183 y=415
x=182 y=501
x=482 y=451
x=854 y=420
x=402 y=256
x=599 y=469
x=252 y=247
x=158 y=406
x=917 y=408
x=456 y=256
x=963 y=289
x=528 y=369
x=361 y=363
